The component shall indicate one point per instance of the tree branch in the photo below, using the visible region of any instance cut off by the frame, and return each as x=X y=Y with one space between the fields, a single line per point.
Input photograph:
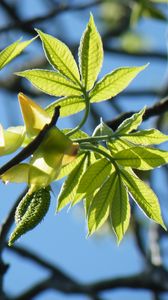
x=155 y=110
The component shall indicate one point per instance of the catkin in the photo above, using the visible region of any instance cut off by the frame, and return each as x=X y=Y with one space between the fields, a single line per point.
x=30 y=212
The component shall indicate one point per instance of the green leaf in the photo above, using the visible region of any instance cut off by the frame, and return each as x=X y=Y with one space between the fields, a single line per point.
x=17 y=174
x=94 y=176
x=69 y=106
x=69 y=188
x=120 y=209
x=51 y=82
x=143 y=196
x=12 y=138
x=114 y=83
x=131 y=123
x=13 y=51
x=90 y=55
x=118 y=145
x=147 y=137
x=67 y=169
x=87 y=202
x=159 y=1
x=59 y=56
x=100 y=206
x=141 y=158
x=102 y=129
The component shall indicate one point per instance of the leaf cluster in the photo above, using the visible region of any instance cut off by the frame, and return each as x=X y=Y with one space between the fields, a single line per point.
x=99 y=169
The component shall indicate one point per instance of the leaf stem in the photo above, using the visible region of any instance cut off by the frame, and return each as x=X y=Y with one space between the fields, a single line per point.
x=100 y=151
x=87 y=110
x=93 y=139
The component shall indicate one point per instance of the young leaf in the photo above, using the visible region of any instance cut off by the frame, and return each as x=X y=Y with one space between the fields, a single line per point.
x=67 y=169
x=50 y=82
x=94 y=176
x=143 y=196
x=102 y=129
x=59 y=56
x=147 y=137
x=100 y=206
x=12 y=139
x=17 y=174
x=141 y=158
x=114 y=83
x=118 y=145
x=120 y=209
x=90 y=55
x=69 y=106
x=12 y=51
x=131 y=123
x=34 y=116
x=69 y=188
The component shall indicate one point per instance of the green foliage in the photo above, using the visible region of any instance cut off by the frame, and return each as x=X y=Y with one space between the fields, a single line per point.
x=98 y=167
x=12 y=51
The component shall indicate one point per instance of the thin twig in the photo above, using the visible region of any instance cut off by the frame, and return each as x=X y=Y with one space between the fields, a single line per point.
x=156 y=110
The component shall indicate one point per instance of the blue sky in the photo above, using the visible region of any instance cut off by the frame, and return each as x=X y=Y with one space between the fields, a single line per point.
x=61 y=238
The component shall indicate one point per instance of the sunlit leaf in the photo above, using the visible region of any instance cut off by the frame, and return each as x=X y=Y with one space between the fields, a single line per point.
x=12 y=51
x=67 y=169
x=94 y=176
x=90 y=54
x=69 y=106
x=100 y=206
x=143 y=196
x=147 y=137
x=118 y=145
x=50 y=82
x=17 y=174
x=120 y=208
x=114 y=83
x=34 y=116
x=12 y=139
x=59 y=56
x=141 y=158
x=131 y=123
x=70 y=185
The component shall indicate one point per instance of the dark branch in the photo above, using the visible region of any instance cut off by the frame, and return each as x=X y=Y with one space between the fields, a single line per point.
x=25 y=24
x=156 y=110
x=141 y=54
x=32 y=147
x=155 y=280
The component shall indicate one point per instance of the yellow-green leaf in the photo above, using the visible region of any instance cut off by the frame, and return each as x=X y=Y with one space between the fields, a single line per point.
x=90 y=54
x=50 y=82
x=69 y=106
x=120 y=209
x=60 y=56
x=100 y=206
x=131 y=123
x=12 y=51
x=35 y=117
x=146 y=137
x=17 y=174
x=141 y=158
x=70 y=185
x=67 y=169
x=12 y=138
x=143 y=196
x=114 y=83
x=94 y=177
